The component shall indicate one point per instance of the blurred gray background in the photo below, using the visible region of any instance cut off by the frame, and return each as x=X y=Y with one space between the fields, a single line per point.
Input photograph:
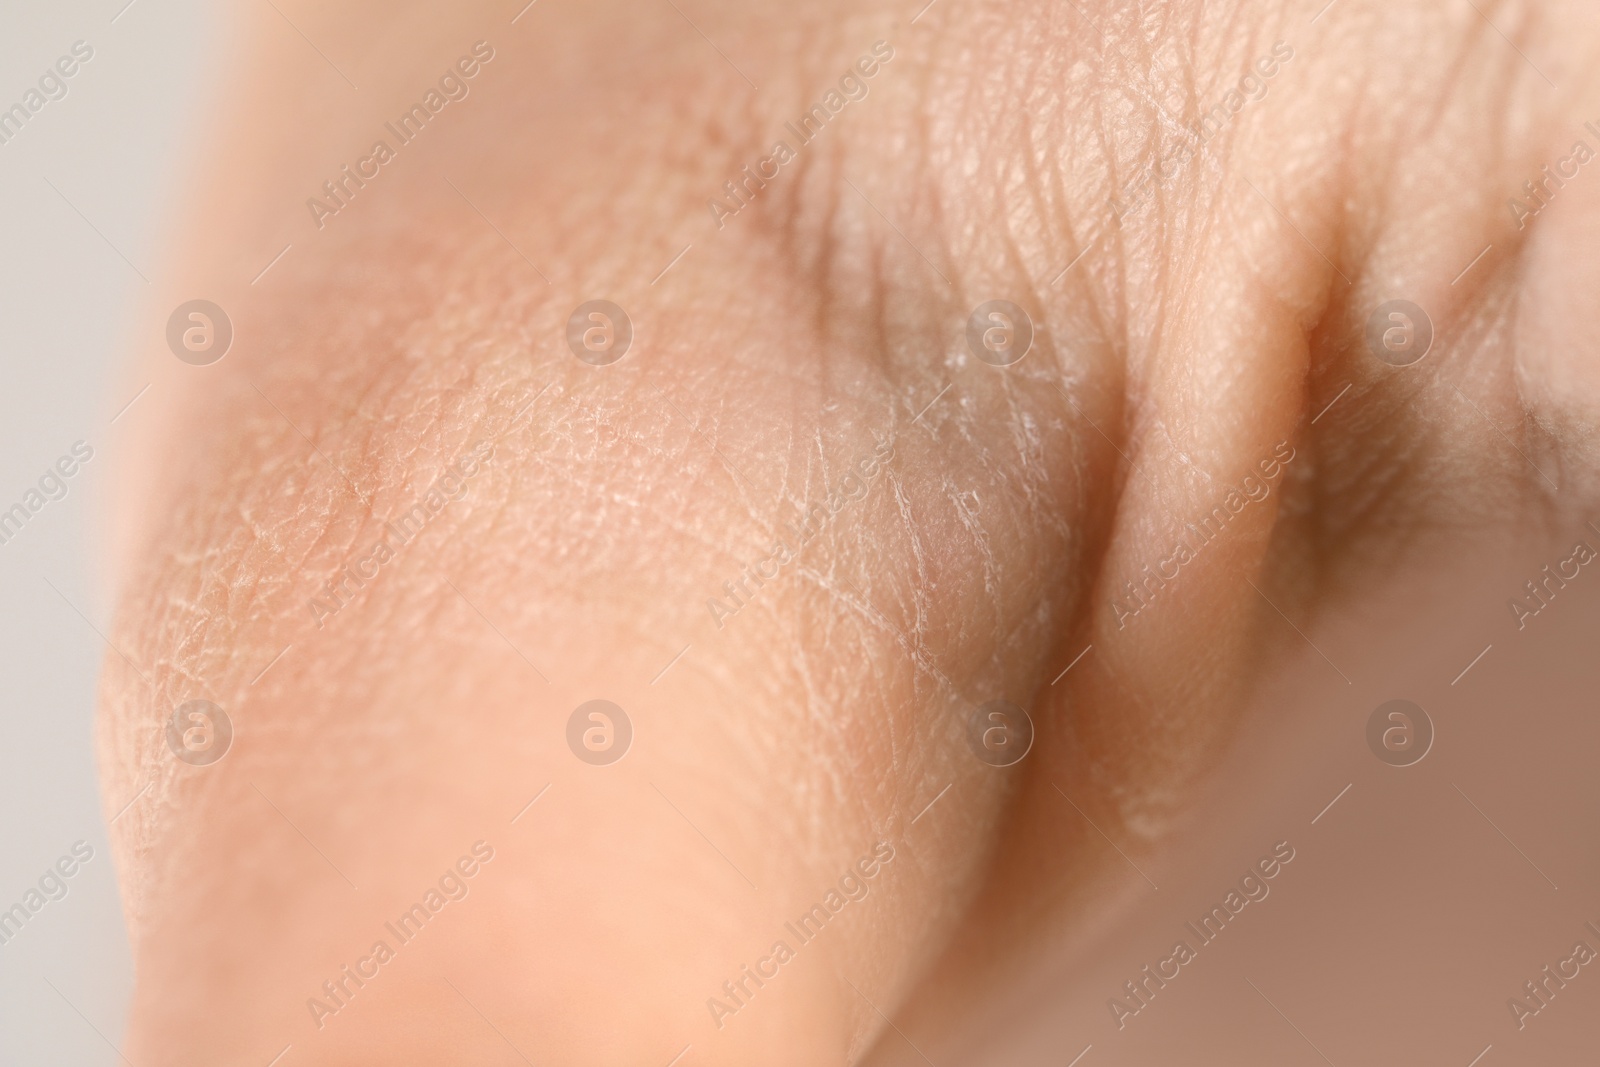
x=70 y=266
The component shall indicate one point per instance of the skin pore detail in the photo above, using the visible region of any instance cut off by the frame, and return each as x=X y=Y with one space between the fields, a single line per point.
x=1179 y=343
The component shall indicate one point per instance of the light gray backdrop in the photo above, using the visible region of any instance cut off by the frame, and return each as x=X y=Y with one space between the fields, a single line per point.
x=70 y=263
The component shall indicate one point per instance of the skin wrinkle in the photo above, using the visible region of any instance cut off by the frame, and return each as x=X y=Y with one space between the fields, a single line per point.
x=828 y=259
x=924 y=655
x=718 y=461
x=1444 y=407
x=1035 y=169
x=809 y=649
x=991 y=566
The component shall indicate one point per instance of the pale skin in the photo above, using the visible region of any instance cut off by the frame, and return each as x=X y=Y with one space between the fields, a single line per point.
x=1176 y=349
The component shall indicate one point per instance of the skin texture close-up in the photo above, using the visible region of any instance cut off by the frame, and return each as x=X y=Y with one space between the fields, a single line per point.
x=1289 y=402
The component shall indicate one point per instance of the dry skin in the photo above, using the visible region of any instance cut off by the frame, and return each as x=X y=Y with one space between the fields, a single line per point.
x=1185 y=344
